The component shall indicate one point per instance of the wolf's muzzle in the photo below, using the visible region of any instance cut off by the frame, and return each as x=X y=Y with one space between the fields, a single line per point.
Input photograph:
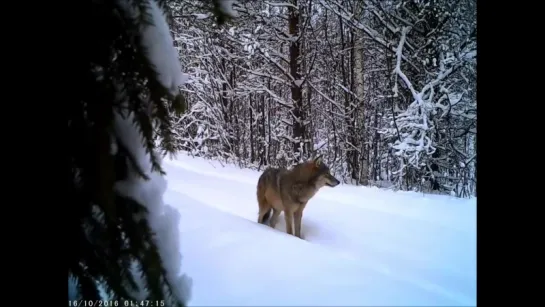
x=332 y=181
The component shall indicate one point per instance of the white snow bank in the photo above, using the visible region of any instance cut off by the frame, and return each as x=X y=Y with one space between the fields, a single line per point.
x=236 y=262
x=363 y=246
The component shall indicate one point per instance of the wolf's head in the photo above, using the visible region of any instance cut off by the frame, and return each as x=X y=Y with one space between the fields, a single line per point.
x=322 y=173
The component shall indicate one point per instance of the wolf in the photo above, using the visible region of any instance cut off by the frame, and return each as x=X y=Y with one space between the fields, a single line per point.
x=280 y=189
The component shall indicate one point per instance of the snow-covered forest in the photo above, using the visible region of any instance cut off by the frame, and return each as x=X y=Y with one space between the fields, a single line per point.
x=384 y=90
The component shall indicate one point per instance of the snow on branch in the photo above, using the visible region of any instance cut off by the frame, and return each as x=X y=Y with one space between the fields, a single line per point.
x=158 y=43
x=149 y=191
x=414 y=143
x=226 y=7
x=282 y=4
x=415 y=127
x=333 y=102
x=340 y=11
x=163 y=219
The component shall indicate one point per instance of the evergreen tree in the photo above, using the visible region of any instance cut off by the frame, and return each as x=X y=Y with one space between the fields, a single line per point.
x=119 y=118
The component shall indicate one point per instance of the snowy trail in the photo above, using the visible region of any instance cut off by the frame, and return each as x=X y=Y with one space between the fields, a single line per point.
x=421 y=249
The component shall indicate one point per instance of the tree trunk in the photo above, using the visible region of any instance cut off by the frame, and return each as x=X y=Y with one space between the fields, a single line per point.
x=296 y=92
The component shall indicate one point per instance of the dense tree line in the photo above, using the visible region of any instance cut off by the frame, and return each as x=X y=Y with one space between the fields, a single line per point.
x=385 y=90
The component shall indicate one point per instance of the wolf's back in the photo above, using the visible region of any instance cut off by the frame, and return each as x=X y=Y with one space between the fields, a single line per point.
x=268 y=179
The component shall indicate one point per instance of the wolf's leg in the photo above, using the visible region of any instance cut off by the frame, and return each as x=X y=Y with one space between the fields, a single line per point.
x=288 y=215
x=298 y=216
x=274 y=217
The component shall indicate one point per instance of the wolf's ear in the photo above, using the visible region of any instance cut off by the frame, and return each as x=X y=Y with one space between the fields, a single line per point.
x=318 y=160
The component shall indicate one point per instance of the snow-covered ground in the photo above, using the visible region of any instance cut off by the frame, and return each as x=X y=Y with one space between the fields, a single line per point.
x=363 y=246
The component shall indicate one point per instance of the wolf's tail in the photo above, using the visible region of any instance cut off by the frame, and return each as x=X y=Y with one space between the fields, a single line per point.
x=264 y=207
